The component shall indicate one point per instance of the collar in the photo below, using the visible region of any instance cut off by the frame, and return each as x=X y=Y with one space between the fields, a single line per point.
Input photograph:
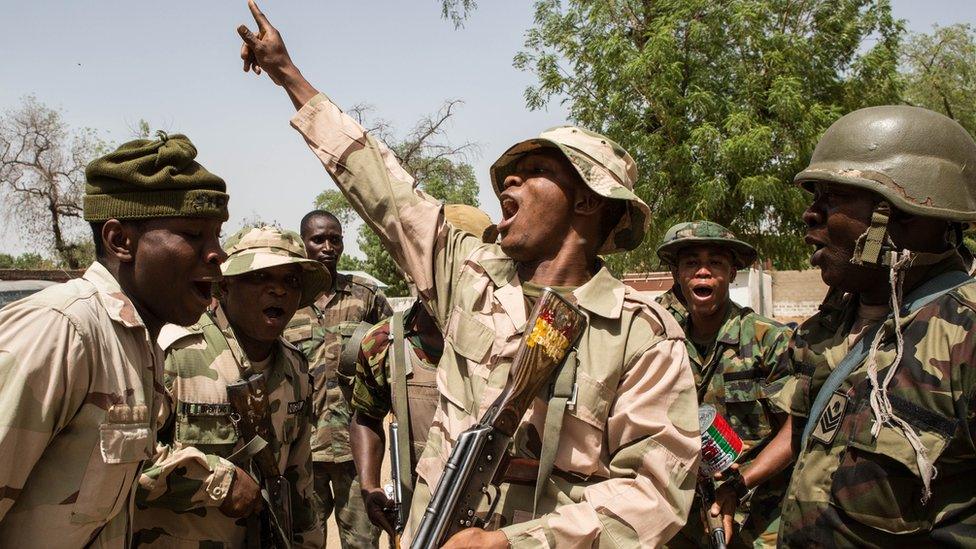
x=602 y=295
x=118 y=305
x=731 y=328
x=222 y=323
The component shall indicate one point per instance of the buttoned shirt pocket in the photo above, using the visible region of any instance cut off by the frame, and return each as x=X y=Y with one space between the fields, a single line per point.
x=124 y=441
x=743 y=409
x=592 y=408
x=878 y=482
x=206 y=424
x=470 y=337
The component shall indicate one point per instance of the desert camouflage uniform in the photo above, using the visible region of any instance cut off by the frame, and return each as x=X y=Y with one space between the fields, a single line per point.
x=745 y=370
x=850 y=488
x=372 y=391
x=319 y=332
x=200 y=361
x=80 y=403
x=628 y=450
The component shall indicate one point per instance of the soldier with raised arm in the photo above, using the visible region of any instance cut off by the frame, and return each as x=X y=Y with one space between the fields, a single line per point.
x=614 y=454
x=80 y=372
x=881 y=405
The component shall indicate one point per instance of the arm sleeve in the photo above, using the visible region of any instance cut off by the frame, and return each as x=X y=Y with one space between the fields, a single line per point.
x=44 y=379
x=777 y=357
x=371 y=392
x=653 y=440
x=181 y=478
x=409 y=223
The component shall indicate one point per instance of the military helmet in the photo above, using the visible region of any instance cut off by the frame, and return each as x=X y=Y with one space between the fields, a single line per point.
x=255 y=248
x=920 y=161
x=703 y=233
x=605 y=167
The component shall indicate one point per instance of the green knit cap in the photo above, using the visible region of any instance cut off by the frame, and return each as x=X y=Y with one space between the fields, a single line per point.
x=146 y=179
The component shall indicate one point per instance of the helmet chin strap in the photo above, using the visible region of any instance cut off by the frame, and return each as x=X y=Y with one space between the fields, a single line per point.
x=875 y=248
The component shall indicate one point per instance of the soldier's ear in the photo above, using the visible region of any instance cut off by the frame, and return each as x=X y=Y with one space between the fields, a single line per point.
x=587 y=202
x=119 y=240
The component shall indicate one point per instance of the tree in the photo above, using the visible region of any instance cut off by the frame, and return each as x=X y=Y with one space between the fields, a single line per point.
x=439 y=169
x=940 y=72
x=27 y=260
x=457 y=11
x=720 y=103
x=42 y=176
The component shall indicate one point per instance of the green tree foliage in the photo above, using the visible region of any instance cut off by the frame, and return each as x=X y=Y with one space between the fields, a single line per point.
x=720 y=103
x=940 y=72
x=439 y=169
x=457 y=11
x=27 y=260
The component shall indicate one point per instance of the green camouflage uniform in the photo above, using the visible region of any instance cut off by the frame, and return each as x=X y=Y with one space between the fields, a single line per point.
x=746 y=368
x=889 y=462
x=372 y=392
x=200 y=361
x=628 y=449
x=851 y=488
x=320 y=331
x=173 y=507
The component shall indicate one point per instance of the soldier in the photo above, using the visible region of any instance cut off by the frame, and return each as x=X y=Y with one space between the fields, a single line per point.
x=739 y=359
x=616 y=466
x=267 y=277
x=328 y=332
x=379 y=371
x=80 y=371
x=881 y=408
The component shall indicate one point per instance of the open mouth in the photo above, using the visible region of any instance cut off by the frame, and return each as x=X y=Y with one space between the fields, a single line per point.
x=703 y=292
x=204 y=288
x=510 y=208
x=274 y=313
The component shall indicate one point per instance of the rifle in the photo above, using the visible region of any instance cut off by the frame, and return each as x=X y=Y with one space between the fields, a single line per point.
x=480 y=456
x=394 y=490
x=705 y=490
x=252 y=419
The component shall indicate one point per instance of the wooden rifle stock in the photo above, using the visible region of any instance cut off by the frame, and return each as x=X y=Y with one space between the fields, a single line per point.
x=474 y=470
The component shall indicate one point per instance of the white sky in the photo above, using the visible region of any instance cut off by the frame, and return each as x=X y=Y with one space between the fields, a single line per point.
x=108 y=63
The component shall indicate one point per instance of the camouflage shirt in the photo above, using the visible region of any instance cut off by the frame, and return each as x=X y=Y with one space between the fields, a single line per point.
x=628 y=449
x=320 y=332
x=372 y=394
x=850 y=487
x=745 y=368
x=80 y=402
x=201 y=360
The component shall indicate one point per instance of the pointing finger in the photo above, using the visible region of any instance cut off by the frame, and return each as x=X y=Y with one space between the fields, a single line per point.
x=262 y=21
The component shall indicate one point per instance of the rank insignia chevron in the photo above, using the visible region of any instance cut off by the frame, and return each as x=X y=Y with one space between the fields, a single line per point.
x=830 y=419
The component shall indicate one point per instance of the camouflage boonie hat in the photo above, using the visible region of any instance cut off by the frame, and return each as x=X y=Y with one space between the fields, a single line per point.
x=255 y=248
x=604 y=166
x=703 y=233
x=920 y=161
x=471 y=220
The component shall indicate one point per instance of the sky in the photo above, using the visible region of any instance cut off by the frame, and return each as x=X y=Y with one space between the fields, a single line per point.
x=106 y=64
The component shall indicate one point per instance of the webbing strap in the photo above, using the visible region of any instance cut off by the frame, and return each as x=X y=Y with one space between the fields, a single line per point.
x=870 y=245
x=244 y=454
x=928 y=292
x=401 y=412
x=563 y=391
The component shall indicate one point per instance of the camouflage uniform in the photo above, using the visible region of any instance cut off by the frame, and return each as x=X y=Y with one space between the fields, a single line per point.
x=320 y=331
x=173 y=507
x=372 y=392
x=80 y=398
x=746 y=366
x=859 y=481
x=624 y=470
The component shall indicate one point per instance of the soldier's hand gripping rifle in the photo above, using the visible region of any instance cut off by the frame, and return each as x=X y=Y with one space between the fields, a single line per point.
x=252 y=418
x=479 y=458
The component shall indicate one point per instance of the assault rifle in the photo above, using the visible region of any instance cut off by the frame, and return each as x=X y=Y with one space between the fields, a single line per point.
x=394 y=490
x=252 y=419
x=480 y=456
x=705 y=490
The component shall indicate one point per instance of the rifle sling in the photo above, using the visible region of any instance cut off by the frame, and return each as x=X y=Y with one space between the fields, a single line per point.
x=398 y=375
x=244 y=454
x=563 y=391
